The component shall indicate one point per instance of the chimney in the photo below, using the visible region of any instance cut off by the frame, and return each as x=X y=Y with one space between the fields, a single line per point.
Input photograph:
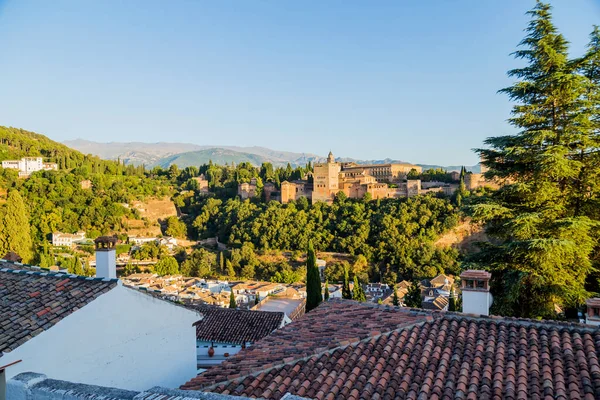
x=593 y=311
x=106 y=259
x=476 y=296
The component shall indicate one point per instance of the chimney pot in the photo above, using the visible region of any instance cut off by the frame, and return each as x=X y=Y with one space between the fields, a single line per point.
x=106 y=259
x=476 y=296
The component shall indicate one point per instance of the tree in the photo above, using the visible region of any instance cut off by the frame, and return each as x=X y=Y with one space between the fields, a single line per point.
x=15 y=234
x=395 y=298
x=230 y=269
x=175 y=227
x=543 y=218
x=346 y=294
x=313 y=280
x=326 y=293
x=358 y=293
x=413 y=296
x=232 y=302
x=166 y=266
x=452 y=300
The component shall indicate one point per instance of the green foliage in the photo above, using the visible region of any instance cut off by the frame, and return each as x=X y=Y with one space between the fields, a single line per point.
x=201 y=263
x=175 y=227
x=398 y=232
x=413 y=296
x=166 y=266
x=358 y=293
x=15 y=233
x=326 y=292
x=545 y=219
x=313 y=281
x=232 y=302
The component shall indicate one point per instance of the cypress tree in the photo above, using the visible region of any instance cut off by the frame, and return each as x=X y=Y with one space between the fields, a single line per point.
x=452 y=300
x=413 y=296
x=232 y=302
x=395 y=298
x=15 y=234
x=313 y=281
x=326 y=293
x=542 y=216
x=358 y=293
x=346 y=294
x=221 y=263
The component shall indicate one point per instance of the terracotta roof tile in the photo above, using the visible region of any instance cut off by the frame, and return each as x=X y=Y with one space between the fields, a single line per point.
x=446 y=356
x=31 y=302
x=235 y=326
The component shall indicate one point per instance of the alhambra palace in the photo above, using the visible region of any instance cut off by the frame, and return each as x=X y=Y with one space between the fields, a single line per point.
x=380 y=181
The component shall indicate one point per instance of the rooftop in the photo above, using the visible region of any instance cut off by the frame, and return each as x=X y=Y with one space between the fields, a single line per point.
x=331 y=325
x=349 y=350
x=33 y=300
x=235 y=326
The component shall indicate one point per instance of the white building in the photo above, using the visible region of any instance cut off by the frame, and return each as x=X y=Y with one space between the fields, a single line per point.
x=67 y=239
x=93 y=330
x=28 y=165
x=476 y=296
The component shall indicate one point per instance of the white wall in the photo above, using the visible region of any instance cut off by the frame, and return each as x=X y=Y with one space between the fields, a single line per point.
x=476 y=302
x=123 y=339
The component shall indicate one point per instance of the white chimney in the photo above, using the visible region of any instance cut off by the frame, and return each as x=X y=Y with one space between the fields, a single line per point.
x=476 y=296
x=106 y=257
x=593 y=311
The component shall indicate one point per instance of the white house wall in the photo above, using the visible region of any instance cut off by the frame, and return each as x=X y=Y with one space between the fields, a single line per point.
x=123 y=339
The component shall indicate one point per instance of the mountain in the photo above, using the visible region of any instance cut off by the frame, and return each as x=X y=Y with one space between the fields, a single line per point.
x=16 y=143
x=186 y=154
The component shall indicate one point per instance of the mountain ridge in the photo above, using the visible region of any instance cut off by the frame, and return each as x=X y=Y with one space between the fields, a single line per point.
x=164 y=154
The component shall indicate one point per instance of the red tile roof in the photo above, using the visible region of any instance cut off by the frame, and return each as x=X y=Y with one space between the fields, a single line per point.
x=446 y=356
x=334 y=323
x=228 y=325
x=475 y=274
x=32 y=301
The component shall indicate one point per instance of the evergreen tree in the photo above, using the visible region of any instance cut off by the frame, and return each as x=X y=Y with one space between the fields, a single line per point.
x=313 y=280
x=230 y=269
x=166 y=266
x=413 y=296
x=452 y=300
x=346 y=294
x=326 y=292
x=15 y=234
x=358 y=293
x=221 y=263
x=542 y=217
x=232 y=303
x=395 y=298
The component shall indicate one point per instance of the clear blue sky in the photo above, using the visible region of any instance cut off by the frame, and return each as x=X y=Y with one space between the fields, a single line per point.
x=411 y=80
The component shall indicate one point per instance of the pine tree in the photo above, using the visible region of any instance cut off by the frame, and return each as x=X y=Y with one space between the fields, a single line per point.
x=540 y=218
x=232 y=302
x=15 y=234
x=395 y=298
x=413 y=296
x=326 y=292
x=452 y=300
x=313 y=280
x=358 y=293
x=346 y=294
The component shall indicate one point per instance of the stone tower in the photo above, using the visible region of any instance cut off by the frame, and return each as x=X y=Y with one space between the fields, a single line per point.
x=326 y=180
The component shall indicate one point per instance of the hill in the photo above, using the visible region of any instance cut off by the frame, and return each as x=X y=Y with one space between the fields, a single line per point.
x=163 y=153
x=16 y=143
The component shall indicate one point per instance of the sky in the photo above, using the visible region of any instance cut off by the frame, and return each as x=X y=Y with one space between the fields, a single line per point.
x=408 y=80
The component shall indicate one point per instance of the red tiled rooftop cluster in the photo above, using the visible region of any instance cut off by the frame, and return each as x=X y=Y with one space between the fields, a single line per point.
x=333 y=324
x=446 y=356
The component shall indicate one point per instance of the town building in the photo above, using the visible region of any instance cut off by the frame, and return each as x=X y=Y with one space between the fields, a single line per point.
x=349 y=350
x=202 y=183
x=92 y=330
x=27 y=165
x=67 y=239
x=248 y=190
x=223 y=332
